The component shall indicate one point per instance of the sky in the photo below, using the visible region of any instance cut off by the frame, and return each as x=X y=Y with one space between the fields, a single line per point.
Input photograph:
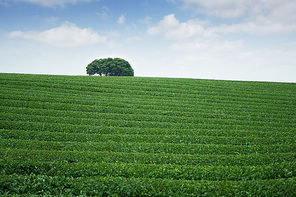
x=249 y=40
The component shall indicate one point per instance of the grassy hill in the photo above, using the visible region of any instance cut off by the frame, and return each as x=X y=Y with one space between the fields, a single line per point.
x=130 y=136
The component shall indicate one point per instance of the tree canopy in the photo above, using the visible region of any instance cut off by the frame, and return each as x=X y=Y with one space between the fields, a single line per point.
x=110 y=67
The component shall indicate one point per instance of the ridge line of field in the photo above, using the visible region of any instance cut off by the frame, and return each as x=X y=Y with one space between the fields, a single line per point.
x=146 y=158
x=173 y=94
x=132 y=119
x=147 y=147
x=86 y=129
x=180 y=87
x=134 y=170
x=144 y=116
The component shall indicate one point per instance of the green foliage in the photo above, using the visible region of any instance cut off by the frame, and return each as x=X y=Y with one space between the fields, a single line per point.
x=110 y=67
x=110 y=136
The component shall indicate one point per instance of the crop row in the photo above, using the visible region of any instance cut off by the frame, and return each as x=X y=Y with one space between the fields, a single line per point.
x=137 y=170
x=139 y=108
x=178 y=88
x=217 y=113
x=200 y=98
x=54 y=109
x=144 y=121
x=23 y=128
x=199 y=85
x=120 y=186
x=104 y=107
x=128 y=112
x=160 y=116
x=110 y=122
x=146 y=158
x=197 y=97
x=113 y=136
x=60 y=132
x=97 y=98
x=72 y=132
x=144 y=147
x=147 y=82
x=68 y=123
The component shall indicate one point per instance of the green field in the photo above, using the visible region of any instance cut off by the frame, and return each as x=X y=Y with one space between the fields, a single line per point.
x=136 y=136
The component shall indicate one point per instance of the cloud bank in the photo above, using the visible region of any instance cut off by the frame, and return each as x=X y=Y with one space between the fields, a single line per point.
x=283 y=10
x=53 y=3
x=67 y=35
x=121 y=19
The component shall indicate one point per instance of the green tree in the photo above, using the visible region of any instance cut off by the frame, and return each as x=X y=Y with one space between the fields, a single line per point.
x=92 y=68
x=110 y=67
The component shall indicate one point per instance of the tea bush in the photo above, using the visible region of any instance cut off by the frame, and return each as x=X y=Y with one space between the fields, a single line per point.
x=122 y=136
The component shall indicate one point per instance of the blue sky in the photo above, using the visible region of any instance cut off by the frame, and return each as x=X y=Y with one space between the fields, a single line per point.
x=208 y=39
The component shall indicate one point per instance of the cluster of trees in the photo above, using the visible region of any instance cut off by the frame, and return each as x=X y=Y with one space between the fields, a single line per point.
x=110 y=67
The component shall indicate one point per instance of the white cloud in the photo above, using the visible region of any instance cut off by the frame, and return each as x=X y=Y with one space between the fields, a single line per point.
x=201 y=36
x=268 y=18
x=210 y=50
x=173 y=29
x=221 y=8
x=53 y=3
x=135 y=38
x=52 y=20
x=263 y=11
x=67 y=35
x=146 y=20
x=256 y=28
x=212 y=45
x=121 y=19
x=195 y=41
x=104 y=13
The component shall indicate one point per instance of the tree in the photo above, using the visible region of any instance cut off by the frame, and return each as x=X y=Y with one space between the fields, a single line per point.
x=110 y=67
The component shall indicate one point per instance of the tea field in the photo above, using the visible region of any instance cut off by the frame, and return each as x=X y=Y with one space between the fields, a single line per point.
x=136 y=136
